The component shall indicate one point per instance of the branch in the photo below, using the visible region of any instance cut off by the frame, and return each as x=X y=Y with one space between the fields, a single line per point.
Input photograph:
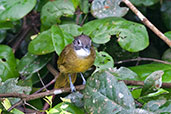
x=143 y=59
x=66 y=90
x=147 y=22
x=25 y=97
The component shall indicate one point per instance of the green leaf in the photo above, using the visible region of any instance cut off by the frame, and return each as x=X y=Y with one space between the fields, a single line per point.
x=144 y=2
x=84 y=6
x=65 y=108
x=165 y=13
x=145 y=70
x=53 y=10
x=72 y=29
x=6 y=25
x=103 y=94
x=159 y=106
x=2 y=35
x=75 y=3
x=10 y=86
x=124 y=73
x=7 y=63
x=131 y=36
x=168 y=34
x=167 y=55
x=12 y=10
x=30 y=63
x=76 y=98
x=108 y=8
x=152 y=82
x=60 y=39
x=42 y=44
x=103 y=61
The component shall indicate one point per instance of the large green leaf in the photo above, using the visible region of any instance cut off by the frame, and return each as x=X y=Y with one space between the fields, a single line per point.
x=131 y=36
x=103 y=94
x=108 y=8
x=10 y=86
x=72 y=29
x=65 y=108
x=53 y=10
x=144 y=2
x=30 y=63
x=12 y=10
x=145 y=70
x=7 y=63
x=60 y=39
x=42 y=44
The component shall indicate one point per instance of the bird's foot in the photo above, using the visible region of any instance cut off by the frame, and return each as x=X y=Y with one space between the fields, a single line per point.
x=73 y=89
x=84 y=81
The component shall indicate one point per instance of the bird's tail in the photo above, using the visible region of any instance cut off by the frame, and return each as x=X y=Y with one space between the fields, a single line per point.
x=63 y=80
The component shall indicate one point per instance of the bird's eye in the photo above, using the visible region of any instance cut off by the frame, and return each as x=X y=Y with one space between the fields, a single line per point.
x=79 y=42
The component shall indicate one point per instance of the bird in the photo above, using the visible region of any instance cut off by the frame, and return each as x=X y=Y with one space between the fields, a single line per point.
x=76 y=57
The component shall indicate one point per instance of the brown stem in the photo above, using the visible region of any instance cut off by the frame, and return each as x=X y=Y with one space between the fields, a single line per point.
x=23 y=36
x=143 y=59
x=147 y=22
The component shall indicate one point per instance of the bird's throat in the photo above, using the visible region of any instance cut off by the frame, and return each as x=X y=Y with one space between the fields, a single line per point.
x=82 y=52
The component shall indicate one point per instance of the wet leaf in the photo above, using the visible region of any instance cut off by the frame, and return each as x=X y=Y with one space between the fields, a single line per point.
x=12 y=10
x=103 y=94
x=124 y=73
x=53 y=10
x=30 y=63
x=76 y=98
x=108 y=8
x=103 y=61
x=152 y=82
x=7 y=63
x=10 y=86
x=159 y=106
x=131 y=36
x=60 y=39
x=42 y=44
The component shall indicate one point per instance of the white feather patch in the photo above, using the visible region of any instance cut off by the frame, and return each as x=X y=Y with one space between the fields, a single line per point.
x=82 y=53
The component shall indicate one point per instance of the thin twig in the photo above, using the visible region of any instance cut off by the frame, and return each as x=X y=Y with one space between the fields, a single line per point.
x=147 y=22
x=41 y=81
x=82 y=22
x=143 y=59
x=23 y=36
x=31 y=106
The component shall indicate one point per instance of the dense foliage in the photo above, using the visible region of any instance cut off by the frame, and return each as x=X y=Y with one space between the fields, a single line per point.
x=34 y=33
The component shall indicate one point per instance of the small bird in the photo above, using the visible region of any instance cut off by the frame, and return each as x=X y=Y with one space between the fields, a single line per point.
x=75 y=58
